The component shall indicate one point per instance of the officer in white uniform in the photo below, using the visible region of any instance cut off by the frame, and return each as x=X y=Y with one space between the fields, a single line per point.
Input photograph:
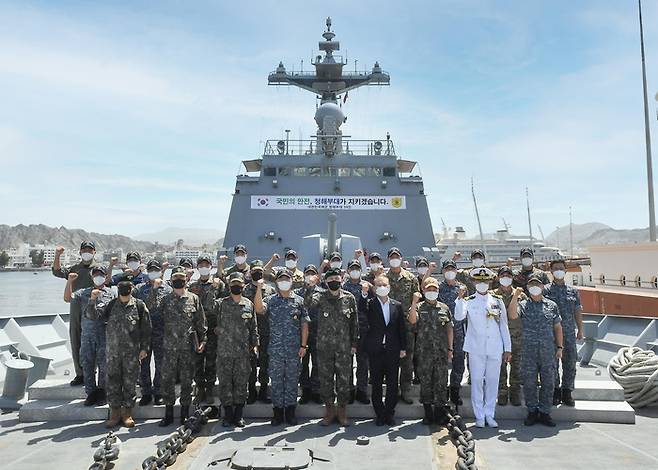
x=487 y=343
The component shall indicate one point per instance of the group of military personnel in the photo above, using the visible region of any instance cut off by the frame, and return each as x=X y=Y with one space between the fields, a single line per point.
x=284 y=328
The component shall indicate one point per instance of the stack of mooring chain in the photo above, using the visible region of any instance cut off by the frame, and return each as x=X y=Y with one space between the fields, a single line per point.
x=177 y=441
x=464 y=442
x=107 y=452
x=636 y=370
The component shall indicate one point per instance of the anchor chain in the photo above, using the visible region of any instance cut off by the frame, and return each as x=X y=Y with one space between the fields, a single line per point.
x=106 y=452
x=176 y=443
x=463 y=440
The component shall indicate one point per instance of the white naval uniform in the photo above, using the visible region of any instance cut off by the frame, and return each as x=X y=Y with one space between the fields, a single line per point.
x=486 y=340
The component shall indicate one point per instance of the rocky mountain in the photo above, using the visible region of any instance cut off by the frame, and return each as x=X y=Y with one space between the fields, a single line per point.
x=191 y=236
x=13 y=236
x=560 y=237
x=610 y=235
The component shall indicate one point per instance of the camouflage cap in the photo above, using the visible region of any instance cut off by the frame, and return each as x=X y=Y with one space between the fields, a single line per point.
x=335 y=255
x=256 y=265
x=203 y=258
x=283 y=273
x=505 y=270
x=526 y=252
x=447 y=264
x=374 y=255
x=186 y=263
x=177 y=270
x=310 y=268
x=237 y=248
x=87 y=244
x=290 y=253
x=477 y=252
x=332 y=272
x=153 y=264
x=422 y=260
x=430 y=282
x=394 y=251
x=133 y=255
x=482 y=274
x=235 y=278
x=535 y=278
x=354 y=264
x=99 y=269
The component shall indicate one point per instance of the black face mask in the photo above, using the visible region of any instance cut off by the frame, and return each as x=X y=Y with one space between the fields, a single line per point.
x=236 y=289
x=256 y=275
x=125 y=288
x=178 y=283
x=333 y=285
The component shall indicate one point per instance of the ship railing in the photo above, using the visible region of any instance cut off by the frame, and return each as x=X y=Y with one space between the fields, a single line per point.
x=304 y=147
x=312 y=73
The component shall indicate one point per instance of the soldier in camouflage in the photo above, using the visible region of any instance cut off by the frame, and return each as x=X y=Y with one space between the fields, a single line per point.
x=288 y=321
x=92 y=349
x=376 y=267
x=506 y=291
x=152 y=293
x=528 y=269
x=237 y=337
x=403 y=285
x=290 y=259
x=448 y=293
x=184 y=335
x=83 y=270
x=568 y=301
x=337 y=339
x=433 y=348
x=259 y=361
x=208 y=289
x=353 y=286
x=240 y=266
x=542 y=345
x=308 y=376
x=128 y=335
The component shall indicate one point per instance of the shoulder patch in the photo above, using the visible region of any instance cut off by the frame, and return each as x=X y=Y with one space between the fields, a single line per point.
x=470 y=297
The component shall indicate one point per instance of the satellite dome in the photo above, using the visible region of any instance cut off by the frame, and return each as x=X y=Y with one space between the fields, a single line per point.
x=329 y=110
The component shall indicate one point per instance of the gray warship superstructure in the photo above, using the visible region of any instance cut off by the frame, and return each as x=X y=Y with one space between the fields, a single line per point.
x=286 y=198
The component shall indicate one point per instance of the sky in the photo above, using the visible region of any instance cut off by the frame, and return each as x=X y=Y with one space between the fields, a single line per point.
x=129 y=117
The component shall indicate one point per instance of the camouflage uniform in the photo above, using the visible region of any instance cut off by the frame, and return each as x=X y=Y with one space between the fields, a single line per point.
x=260 y=361
x=464 y=277
x=521 y=278
x=516 y=335
x=205 y=367
x=403 y=285
x=183 y=317
x=285 y=315
x=354 y=288
x=153 y=301
x=337 y=333
x=309 y=374
x=237 y=336
x=224 y=274
x=75 y=313
x=128 y=332
x=432 y=351
x=568 y=301
x=92 y=348
x=538 y=352
x=448 y=294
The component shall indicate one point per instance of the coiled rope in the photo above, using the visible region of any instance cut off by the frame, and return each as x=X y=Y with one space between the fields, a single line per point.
x=636 y=370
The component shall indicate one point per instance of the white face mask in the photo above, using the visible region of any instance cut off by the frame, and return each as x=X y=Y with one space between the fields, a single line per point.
x=204 y=271
x=336 y=264
x=86 y=257
x=526 y=261
x=482 y=287
x=153 y=275
x=240 y=259
x=99 y=280
x=382 y=291
x=431 y=295
x=450 y=275
x=133 y=265
x=478 y=262
x=535 y=290
x=505 y=281
x=291 y=263
x=559 y=274
x=307 y=279
x=395 y=262
x=284 y=285
x=423 y=270
x=355 y=274
x=375 y=266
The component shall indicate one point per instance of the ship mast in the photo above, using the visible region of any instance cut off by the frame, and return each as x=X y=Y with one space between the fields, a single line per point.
x=527 y=202
x=477 y=216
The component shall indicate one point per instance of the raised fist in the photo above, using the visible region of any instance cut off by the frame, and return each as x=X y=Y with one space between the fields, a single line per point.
x=165 y=265
x=59 y=250
x=417 y=296
x=462 y=291
x=275 y=257
x=457 y=255
x=365 y=287
x=314 y=280
x=223 y=258
x=72 y=277
x=157 y=283
x=95 y=293
x=358 y=253
x=260 y=283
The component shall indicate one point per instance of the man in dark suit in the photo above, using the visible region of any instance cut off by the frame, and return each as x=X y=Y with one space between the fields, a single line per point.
x=384 y=327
